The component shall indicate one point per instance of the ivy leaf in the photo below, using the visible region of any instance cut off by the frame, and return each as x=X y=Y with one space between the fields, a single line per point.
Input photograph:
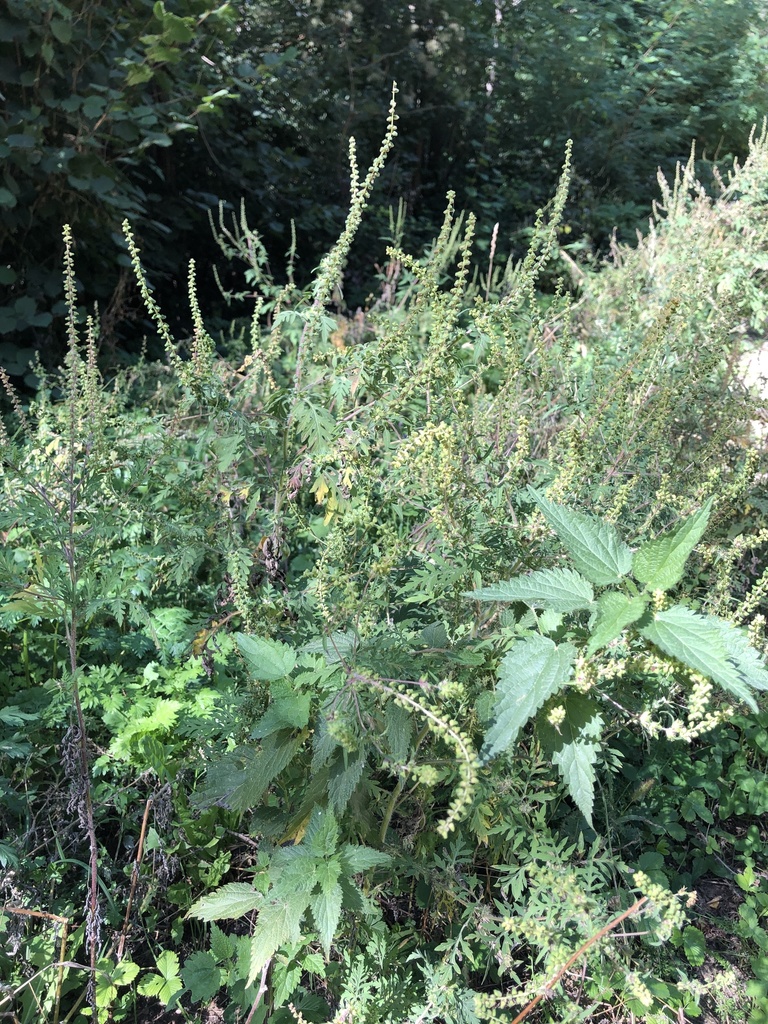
x=573 y=746
x=531 y=671
x=326 y=910
x=694 y=946
x=596 y=548
x=267 y=659
x=615 y=612
x=659 y=563
x=698 y=642
x=201 y=976
x=561 y=590
x=230 y=901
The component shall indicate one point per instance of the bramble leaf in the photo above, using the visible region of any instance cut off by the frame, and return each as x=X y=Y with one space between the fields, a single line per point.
x=660 y=563
x=597 y=550
x=615 y=612
x=531 y=671
x=561 y=590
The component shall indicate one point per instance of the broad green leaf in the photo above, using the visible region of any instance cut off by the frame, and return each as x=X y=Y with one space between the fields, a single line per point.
x=596 y=548
x=698 y=642
x=326 y=910
x=201 y=976
x=533 y=670
x=346 y=771
x=279 y=922
x=562 y=590
x=167 y=983
x=748 y=662
x=615 y=612
x=239 y=779
x=267 y=659
x=230 y=901
x=659 y=563
x=222 y=945
x=322 y=835
x=573 y=746
x=361 y=858
x=287 y=710
x=694 y=946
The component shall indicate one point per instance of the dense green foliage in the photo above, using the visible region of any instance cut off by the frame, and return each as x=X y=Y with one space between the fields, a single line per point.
x=403 y=667
x=161 y=110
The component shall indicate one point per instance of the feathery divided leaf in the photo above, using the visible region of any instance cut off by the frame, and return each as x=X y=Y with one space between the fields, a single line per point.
x=561 y=590
x=531 y=671
x=659 y=563
x=596 y=548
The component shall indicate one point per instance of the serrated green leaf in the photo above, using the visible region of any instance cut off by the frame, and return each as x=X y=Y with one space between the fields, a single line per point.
x=167 y=983
x=287 y=710
x=398 y=731
x=230 y=901
x=596 y=548
x=694 y=946
x=279 y=922
x=698 y=642
x=615 y=612
x=561 y=590
x=201 y=976
x=238 y=781
x=222 y=945
x=748 y=662
x=361 y=858
x=659 y=563
x=530 y=673
x=267 y=659
x=573 y=746
x=326 y=910
x=322 y=835
x=344 y=777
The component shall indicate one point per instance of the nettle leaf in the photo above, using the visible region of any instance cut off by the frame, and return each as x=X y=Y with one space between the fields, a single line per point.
x=596 y=548
x=531 y=672
x=660 y=563
x=344 y=777
x=267 y=659
x=322 y=835
x=239 y=779
x=561 y=590
x=326 y=910
x=573 y=746
x=222 y=945
x=230 y=901
x=361 y=858
x=201 y=976
x=287 y=710
x=279 y=922
x=748 y=662
x=698 y=641
x=615 y=612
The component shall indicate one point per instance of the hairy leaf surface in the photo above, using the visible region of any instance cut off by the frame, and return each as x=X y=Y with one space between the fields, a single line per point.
x=596 y=548
x=615 y=611
x=533 y=670
x=660 y=563
x=561 y=590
